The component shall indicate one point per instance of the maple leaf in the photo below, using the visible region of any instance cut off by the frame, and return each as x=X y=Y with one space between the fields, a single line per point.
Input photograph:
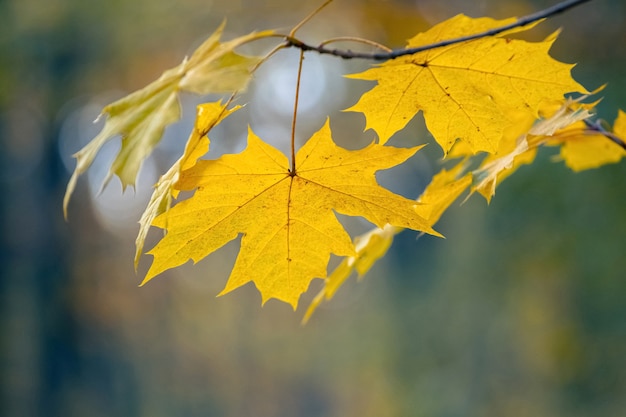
x=443 y=190
x=208 y=115
x=141 y=117
x=287 y=220
x=465 y=90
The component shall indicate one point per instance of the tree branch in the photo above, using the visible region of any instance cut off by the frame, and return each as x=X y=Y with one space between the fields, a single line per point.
x=383 y=56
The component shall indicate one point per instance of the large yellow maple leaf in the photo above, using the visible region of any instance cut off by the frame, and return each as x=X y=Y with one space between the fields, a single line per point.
x=286 y=218
x=141 y=117
x=466 y=90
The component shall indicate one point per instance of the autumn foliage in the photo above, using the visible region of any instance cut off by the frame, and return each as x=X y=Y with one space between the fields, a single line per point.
x=489 y=102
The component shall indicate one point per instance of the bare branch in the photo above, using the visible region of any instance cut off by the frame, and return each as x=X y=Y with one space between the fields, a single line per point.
x=383 y=56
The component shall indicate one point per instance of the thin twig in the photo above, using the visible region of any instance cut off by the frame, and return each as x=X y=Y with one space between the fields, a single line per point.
x=383 y=56
x=309 y=17
x=355 y=39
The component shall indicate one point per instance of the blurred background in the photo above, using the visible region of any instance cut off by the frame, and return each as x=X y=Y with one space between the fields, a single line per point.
x=521 y=311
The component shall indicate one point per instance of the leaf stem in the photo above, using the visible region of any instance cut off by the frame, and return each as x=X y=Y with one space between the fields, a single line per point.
x=383 y=56
x=292 y=172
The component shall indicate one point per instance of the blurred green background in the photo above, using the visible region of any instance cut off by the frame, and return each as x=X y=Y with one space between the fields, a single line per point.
x=521 y=311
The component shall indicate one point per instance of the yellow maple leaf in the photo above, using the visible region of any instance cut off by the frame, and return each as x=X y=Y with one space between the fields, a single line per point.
x=141 y=117
x=208 y=115
x=287 y=220
x=466 y=90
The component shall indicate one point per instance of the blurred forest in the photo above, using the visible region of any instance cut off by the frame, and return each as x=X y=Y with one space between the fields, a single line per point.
x=521 y=311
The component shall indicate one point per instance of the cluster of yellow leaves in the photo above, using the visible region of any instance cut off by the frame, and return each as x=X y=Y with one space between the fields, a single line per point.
x=564 y=127
x=496 y=95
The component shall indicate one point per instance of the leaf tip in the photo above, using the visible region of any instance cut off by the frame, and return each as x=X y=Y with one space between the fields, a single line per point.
x=71 y=185
x=137 y=257
x=292 y=302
